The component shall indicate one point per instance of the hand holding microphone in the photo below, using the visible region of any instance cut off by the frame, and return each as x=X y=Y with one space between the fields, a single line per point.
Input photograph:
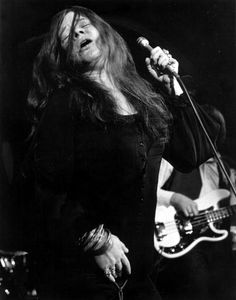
x=162 y=66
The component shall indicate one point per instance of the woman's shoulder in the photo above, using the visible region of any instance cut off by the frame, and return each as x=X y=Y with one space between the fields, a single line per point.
x=58 y=106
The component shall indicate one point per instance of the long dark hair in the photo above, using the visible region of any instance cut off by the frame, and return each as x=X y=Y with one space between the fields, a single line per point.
x=53 y=69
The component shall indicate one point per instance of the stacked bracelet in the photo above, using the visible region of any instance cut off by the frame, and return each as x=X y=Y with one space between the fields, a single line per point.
x=96 y=241
x=105 y=246
x=91 y=242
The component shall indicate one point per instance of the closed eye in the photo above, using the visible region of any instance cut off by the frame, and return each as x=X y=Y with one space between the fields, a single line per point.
x=85 y=25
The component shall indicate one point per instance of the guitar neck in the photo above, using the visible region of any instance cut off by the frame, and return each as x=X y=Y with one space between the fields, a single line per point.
x=222 y=213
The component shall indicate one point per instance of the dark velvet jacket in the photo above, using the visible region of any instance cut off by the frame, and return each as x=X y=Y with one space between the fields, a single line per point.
x=109 y=175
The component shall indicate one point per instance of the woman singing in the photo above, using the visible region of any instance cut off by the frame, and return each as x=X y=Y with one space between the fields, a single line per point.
x=101 y=131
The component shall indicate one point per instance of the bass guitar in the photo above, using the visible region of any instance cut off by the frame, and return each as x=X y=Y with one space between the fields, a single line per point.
x=176 y=234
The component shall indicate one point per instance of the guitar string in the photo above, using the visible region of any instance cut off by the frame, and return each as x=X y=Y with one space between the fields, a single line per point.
x=204 y=214
x=172 y=231
x=198 y=221
x=203 y=219
x=172 y=228
x=225 y=211
x=173 y=225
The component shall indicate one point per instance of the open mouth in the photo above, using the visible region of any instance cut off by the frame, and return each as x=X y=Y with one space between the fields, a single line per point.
x=85 y=43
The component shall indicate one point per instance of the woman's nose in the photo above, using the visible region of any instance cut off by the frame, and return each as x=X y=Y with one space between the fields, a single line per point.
x=78 y=32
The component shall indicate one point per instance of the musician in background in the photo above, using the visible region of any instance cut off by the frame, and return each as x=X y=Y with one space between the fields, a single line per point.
x=233 y=221
x=206 y=271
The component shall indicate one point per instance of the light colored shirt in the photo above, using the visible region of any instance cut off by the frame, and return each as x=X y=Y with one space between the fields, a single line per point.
x=163 y=196
x=209 y=176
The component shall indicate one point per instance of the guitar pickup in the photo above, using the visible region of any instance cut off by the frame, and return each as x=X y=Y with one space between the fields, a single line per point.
x=160 y=231
x=187 y=227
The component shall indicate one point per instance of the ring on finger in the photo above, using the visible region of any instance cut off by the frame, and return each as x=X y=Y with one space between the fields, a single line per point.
x=107 y=272
x=113 y=269
x=113 y=272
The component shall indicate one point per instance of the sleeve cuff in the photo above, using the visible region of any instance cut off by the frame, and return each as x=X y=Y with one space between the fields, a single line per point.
x=163 y=197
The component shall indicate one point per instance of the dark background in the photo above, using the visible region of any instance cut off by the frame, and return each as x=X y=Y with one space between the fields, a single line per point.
x=200 y=34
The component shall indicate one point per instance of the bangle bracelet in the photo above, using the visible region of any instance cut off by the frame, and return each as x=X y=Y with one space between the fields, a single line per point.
x=90 y=243
x=106 y=245
x=99 y=241
x=88 y=236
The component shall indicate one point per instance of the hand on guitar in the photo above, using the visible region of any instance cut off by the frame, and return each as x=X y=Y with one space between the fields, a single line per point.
x=175 y=235
x=184 y=204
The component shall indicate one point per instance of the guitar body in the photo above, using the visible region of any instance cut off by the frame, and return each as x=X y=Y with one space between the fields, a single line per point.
x=176 y=235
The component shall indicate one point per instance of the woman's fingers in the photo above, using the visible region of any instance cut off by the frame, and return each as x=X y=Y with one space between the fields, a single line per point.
x=114 y=261
x=126 y=263
x=113 y=271
x=156 y=53
x=119 y=268
x=109 y=274
x=111 y=277
x=162 y=58
x=159 y=57
x=150 y=68
x=163 y=61
x=124 y=248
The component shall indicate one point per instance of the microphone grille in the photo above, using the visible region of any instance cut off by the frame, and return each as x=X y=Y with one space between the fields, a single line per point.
x=142 y=41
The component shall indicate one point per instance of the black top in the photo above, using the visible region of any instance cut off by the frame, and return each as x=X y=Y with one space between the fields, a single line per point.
x=109 y=173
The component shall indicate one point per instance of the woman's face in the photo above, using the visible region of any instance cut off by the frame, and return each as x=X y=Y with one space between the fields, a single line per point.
x=85 y=40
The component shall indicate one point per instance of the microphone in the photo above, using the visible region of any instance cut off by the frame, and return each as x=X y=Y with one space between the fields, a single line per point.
x=143 y=42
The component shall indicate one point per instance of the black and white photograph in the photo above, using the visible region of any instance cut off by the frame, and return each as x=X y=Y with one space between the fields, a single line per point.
x=117 y=150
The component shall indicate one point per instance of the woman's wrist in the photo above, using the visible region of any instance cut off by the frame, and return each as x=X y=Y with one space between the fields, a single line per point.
x=96 y=241
x=107 y=245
